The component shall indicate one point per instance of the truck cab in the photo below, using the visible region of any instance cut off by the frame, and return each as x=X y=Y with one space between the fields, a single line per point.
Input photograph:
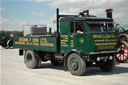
x=87 y=34
x=89 y=38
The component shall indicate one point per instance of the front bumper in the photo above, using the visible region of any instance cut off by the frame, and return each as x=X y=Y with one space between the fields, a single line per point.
x=103 y=52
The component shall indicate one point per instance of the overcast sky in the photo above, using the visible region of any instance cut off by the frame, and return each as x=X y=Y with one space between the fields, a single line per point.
x=16 y=13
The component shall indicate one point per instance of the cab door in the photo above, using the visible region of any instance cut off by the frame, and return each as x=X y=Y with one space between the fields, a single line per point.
x=67 y=36
x=81 y=38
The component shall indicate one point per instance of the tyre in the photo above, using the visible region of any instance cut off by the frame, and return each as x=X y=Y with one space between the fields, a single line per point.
x=38 y=62
x=107 y=66
x=76 y=64
x=31 y=59
x=9 y=43
x=56 y=62
x=122 y=56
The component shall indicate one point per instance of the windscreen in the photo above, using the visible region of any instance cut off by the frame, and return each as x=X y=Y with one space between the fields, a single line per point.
x=100 y=26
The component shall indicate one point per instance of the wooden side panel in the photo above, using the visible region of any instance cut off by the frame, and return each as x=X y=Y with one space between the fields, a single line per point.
x=43 y=43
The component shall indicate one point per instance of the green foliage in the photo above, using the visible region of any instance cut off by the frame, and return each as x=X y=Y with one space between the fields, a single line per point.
x=6 y=35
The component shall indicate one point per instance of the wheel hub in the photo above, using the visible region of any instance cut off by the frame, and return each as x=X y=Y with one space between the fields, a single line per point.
x=74 y=64
x=29 y=59
x=121 y=52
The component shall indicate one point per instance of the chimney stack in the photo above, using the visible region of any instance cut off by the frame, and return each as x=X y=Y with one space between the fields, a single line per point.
x=109 y=13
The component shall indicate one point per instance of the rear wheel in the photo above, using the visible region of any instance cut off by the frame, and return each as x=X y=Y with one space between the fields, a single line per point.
x=31 y=59
x=107 y=66
x=76 y=64
x=122 y=56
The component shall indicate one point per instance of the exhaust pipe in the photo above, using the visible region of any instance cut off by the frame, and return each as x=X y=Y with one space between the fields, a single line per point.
x=109 y=13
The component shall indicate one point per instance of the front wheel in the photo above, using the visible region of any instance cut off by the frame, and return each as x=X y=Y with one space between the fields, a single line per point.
x=31 y=59
x=76 y=64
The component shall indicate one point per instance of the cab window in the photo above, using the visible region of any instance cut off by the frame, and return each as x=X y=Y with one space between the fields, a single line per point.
x=94 y=27
x=72 y=27
x=80 y=28
x=100 y=26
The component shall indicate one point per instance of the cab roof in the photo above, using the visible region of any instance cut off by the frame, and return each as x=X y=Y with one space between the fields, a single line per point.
x=76 y=18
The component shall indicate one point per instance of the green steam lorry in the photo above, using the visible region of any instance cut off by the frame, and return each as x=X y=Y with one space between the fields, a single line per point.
x=81 y=41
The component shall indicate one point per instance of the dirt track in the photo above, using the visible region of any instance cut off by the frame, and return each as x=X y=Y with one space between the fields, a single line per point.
x=14 y=72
